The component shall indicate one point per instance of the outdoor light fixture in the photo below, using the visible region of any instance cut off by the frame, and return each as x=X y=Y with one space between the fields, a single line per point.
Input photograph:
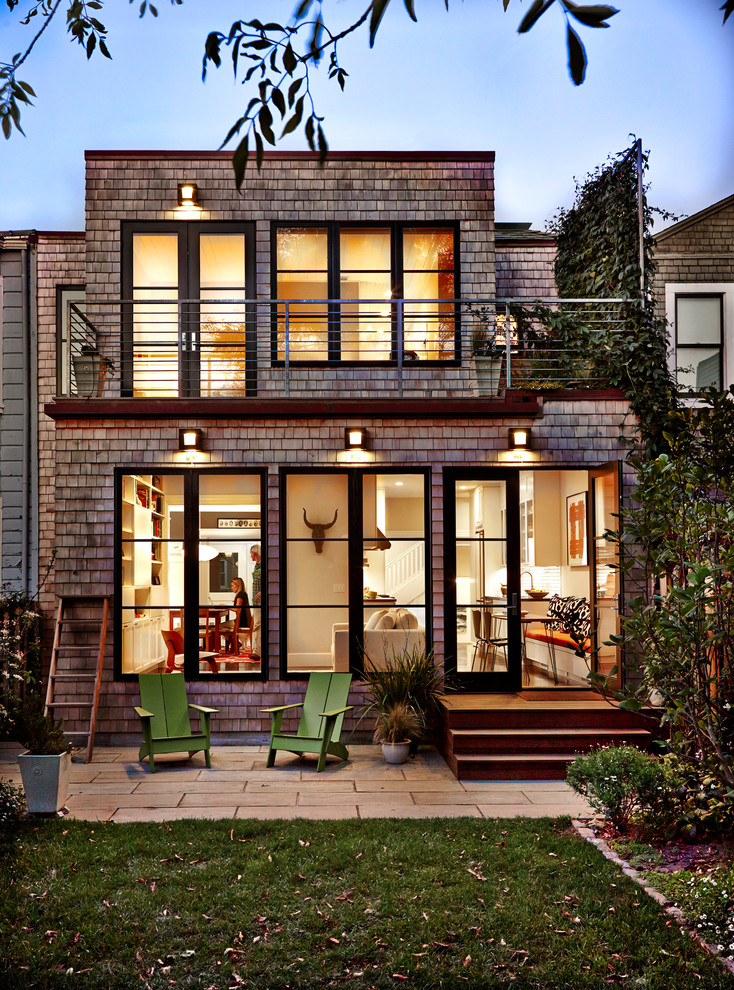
x=190 y=440
x=356 y=438
x=188 y=194
x=519 y=438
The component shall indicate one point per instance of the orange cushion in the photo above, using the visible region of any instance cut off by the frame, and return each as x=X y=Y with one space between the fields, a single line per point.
x=559 y=638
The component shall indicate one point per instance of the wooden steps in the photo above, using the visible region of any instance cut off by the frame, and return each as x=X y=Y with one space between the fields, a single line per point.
x=516 y=737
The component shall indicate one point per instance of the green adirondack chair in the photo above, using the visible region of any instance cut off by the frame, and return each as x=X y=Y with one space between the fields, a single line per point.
x=165 y=717
x=321 y=720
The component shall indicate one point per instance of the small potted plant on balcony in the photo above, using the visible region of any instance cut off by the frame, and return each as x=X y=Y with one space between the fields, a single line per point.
x=45 y=767
x=488 y=353
x=90 y=371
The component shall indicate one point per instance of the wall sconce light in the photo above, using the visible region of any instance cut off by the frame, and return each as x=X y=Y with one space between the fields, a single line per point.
x=188 y=194
x=519 y=438
x=190 y=441
x=356 y=438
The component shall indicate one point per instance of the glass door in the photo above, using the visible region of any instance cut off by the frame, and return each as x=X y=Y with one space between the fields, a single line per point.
x=606 y=583
x=483 y=579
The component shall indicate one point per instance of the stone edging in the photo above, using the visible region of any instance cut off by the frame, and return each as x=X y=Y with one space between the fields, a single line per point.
x=639 y=878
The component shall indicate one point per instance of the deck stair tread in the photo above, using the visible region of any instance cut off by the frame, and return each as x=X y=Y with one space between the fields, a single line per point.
x=543 y=733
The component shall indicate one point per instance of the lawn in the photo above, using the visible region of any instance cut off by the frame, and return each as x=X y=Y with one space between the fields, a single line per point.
x=306 y=904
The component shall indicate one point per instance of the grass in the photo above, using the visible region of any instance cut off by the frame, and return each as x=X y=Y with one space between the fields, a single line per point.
x=307 y=904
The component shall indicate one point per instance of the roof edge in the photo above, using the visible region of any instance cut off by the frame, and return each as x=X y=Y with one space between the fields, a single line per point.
x=682 y=225
x=388 y=156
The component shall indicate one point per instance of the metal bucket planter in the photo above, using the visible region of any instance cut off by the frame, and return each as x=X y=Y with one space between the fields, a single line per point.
x=90 y=371
x=45 y=781
x=487 y=374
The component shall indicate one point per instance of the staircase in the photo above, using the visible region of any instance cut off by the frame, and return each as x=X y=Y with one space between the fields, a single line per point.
x=77 y=657
x=514 y=737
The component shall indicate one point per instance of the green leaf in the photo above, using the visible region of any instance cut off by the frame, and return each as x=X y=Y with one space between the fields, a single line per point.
x=289 y=59
x=378 y=10
x=7 y=126
x=323 y=146
x=239 y=161
x=103 y=48
x=728 y=8
x=576 y=57
x=593 y=16
x=91 y=44
x=279 y=100
x=295 y=120
x=410 y=7
x=259 y=151
x=302 y=9
x=293 y=89
x=265 y=119
x=537 y=10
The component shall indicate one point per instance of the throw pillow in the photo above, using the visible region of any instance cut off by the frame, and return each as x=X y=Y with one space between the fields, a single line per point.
x=371 y=623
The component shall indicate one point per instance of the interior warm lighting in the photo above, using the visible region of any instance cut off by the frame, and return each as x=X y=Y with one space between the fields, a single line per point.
x=207 y=552
x=190 y=440
x=188 y=194
x=356 y=439
x=519 y=438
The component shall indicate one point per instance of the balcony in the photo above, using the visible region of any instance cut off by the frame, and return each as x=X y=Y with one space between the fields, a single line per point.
x=304 y=349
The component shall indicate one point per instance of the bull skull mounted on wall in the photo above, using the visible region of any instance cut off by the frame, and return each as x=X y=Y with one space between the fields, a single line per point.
x=319 y=530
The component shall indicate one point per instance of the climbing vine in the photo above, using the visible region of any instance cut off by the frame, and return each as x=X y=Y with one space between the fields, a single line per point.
x=598 y=257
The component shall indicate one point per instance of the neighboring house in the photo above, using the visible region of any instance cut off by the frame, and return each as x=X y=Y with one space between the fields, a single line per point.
x=312 y=339
x=32 y=287
x=695 y=284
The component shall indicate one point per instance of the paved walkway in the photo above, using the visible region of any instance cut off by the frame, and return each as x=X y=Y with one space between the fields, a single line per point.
x=115 y=787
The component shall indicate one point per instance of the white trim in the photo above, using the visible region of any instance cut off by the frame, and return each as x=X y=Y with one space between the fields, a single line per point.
x=724 y=289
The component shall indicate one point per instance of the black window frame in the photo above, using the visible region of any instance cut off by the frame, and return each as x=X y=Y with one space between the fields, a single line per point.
x=191 y=603
x=187 y=232
x=397 y=273
x=680 y=349
x=355 y=543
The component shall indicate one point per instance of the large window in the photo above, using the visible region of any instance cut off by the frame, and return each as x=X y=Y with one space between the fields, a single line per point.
x=186 y=331
x=354 y=564
x=699 y=341
x=363 y=269
x=189 y=543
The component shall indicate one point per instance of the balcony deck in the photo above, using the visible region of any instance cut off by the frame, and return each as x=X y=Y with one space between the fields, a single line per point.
x=411 y=352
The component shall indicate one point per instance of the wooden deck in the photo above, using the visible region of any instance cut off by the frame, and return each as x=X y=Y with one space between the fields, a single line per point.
x=532 y=736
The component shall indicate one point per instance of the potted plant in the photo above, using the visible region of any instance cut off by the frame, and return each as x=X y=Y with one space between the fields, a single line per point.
x=488 y=353
x=410 y=679
x=90 y=371
x=397 y=724
x=45 y=767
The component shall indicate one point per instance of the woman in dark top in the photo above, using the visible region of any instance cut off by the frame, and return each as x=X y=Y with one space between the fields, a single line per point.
x=241 y=609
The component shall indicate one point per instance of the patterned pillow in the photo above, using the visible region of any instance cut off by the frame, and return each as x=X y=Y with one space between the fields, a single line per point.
x=571 y=615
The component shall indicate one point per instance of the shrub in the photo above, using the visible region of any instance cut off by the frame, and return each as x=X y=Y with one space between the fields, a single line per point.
x=618 y=782
x=12 y=804
x=692 y=804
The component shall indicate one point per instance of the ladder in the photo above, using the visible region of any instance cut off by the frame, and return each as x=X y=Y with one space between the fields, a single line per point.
x=77 y=657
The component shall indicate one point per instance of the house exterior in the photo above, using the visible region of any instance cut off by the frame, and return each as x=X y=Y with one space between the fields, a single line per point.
x=281 y=387
x=695 y=292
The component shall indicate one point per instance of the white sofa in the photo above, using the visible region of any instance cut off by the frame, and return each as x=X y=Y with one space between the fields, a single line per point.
x=387 y=631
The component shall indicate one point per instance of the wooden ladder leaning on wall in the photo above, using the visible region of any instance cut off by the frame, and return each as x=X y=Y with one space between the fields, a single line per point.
x=77 y=658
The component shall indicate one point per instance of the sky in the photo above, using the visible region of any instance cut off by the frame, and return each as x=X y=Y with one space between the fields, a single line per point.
x=463 y=80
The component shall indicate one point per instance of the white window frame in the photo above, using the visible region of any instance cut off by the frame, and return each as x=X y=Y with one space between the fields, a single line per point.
x=723 y=289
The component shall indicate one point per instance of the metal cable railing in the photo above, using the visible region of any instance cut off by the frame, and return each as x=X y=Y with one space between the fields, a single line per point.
x=310 y=348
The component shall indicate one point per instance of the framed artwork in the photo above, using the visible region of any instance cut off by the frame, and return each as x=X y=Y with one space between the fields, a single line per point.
x=576 y=530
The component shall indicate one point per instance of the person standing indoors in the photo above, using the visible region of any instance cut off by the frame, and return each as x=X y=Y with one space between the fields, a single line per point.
x=256 y=598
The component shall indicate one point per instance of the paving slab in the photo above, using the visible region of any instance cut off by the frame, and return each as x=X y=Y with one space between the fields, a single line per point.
x=175 y=814
x=400 y=810
x=192 y=799
x=265 y=813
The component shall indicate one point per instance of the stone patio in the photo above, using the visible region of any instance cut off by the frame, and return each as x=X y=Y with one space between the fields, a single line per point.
x=116 y=787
